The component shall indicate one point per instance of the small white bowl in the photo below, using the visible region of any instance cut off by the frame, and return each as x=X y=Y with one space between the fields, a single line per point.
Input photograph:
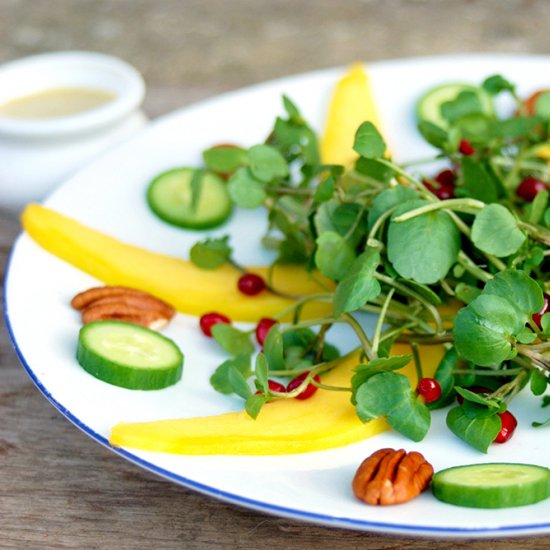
x=36 y=155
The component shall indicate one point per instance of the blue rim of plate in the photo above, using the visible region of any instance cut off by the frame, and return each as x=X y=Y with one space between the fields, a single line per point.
x=257 y=505
x=261 y=506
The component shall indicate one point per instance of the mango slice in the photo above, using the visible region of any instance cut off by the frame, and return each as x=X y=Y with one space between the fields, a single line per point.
x=352 y=104
x=178 y=282
x=324 y=421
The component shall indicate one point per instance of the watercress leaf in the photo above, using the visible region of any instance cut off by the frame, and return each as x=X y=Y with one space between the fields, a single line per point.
x=477 y=398
x=515 y=127
x=519 y=289
x=334 y=255
x=220 y=379
x=526 y=336
x=274 y=349
x=253 y=405
x=295 y=140
x=374 y=169
x=369 y=142
x=476 y=410
x=496 y=84
x=330 y=352
x=224 y=159
x=266 y=163
x=478 y=432
x=365 y=370
x=245 y=190
x=465 y=104
x=359 y=285
x=546 y=217
x=292 y=111
x=388 y=199
x=433 y=134
x=476 y=128
x=261 y=370
x=389 y=394
x=425 y=291
x=444 y=375
x=545 y=323
x=211 y=253
x=425 y=247
x=298 y=338
x=238 y=382
x=538 y=206
x=538 y=382
x=483 y=330
x=477 y=181
x=342 y=219
x=325 y=190
x=545 y=401
x=495 y=231
x=466 y=293
x=232 y=340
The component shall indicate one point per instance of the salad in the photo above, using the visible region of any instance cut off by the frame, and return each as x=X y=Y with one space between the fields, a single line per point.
x=455 y=260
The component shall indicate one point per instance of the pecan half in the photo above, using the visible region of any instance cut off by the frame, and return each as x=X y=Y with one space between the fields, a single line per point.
x=392 y=477
x=123 y=304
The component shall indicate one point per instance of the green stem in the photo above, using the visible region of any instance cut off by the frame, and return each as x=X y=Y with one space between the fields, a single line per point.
x=417 y=361
x=290 y=191
x=363 y=338
x=328 y=387
x=426 y=339
x=408 y=292
x=470 y=266
x=380 y=321
x=300 y=303
x=470 y=206
x=379 y=222
x=536 y=232
x=321 y=368
x=416 y=183
x=496 y=373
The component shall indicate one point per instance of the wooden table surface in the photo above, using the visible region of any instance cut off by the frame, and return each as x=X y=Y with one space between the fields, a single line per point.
x=58 y=488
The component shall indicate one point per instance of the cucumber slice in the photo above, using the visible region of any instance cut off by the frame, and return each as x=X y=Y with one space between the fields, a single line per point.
x=428 y=107
x=128 y=355
x=492 y=485
x=170 y=197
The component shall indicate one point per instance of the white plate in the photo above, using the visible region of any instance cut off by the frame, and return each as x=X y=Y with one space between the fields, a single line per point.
x=109 y=195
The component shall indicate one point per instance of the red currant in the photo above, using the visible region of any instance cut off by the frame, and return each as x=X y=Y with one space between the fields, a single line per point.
x=446 y=188
x=262 y=328
x=509 y=424
x=251 y=284
x=465 y=147
x=537 y=317
x=274 y=386
x=429 y=389
x=310 y=388
x=529 y=188
x=208 y=320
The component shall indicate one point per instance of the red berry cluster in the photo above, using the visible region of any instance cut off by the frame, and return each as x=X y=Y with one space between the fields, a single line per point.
x=446 y=185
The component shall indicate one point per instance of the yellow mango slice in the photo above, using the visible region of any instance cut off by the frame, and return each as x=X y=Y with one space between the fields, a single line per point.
x=324 y=421
x=352 y=104
x=178 y=282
